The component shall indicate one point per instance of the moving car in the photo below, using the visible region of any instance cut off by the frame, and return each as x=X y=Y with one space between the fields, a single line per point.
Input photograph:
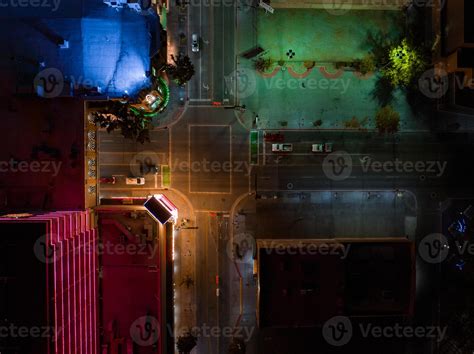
x=282 y=147
x=138 y=181
x=195 y=43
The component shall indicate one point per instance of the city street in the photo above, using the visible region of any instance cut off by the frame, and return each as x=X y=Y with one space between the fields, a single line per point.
x=370 y=186
x=213 y=22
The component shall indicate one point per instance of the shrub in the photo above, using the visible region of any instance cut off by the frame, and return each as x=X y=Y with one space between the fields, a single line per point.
x=263 y=64
x=367 y=64
x=387 y=120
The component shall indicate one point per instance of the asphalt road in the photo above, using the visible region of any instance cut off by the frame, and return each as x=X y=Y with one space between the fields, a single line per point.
x=214 y=23
x=414 y=161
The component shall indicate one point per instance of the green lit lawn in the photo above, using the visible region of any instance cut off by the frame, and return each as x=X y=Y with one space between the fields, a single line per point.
x=317 y=35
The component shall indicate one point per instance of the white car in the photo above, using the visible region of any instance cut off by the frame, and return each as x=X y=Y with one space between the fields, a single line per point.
x=137 y=181
x=195 y=43
x=282 y=147
x=317 y=147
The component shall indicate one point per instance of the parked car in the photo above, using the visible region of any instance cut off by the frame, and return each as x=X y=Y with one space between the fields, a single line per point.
x=276 y=137
x=282 y=147
x=138 y=181
x=195 y=43
x=108 y=180
x=328 y=147
x=317 y=147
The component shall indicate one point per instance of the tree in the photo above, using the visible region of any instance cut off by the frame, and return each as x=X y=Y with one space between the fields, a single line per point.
x=237 y=346
x=404 y=64
x=182 y=70
x=186 y=343
x=387 y=120
x=117 y=115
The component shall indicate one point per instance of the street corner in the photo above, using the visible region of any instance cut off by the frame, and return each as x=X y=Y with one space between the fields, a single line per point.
x=337 y=166
x=145 y=331
x=242 y=248
x=241 y=83
x=49 y=83
x=144 y=163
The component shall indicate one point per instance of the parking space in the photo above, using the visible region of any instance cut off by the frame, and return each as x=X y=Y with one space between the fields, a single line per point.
x=122 y=158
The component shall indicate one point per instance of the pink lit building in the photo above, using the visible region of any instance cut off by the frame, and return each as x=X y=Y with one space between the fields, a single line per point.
x=53 y=256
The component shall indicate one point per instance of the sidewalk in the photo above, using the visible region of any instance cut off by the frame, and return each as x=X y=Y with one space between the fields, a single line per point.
x=176 y=23
x=184 y=263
